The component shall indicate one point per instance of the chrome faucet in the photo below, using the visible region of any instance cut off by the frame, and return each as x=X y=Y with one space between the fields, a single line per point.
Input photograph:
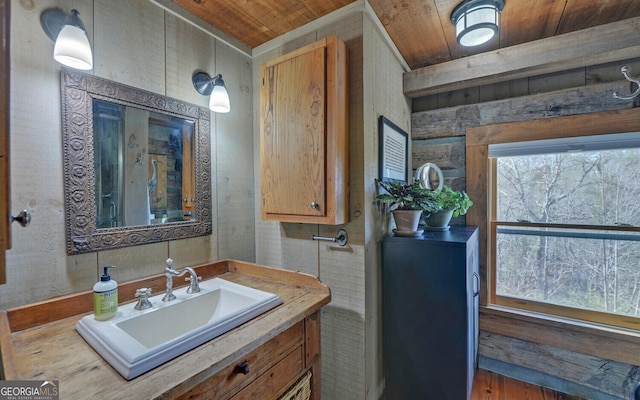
x=143 y=299
x=170 y=272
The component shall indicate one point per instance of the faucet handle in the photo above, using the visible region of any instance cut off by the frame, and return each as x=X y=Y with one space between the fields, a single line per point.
x=143 y=292
x=143 y=301
x=194 y=287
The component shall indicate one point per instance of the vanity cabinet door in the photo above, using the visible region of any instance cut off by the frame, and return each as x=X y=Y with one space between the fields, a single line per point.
x=304 y=135
x=277 y=362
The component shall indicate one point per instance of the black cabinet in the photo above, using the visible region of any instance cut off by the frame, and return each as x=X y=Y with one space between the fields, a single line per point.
x=430 y=288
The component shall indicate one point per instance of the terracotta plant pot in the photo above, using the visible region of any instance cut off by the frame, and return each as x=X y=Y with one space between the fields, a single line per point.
x=407 y=220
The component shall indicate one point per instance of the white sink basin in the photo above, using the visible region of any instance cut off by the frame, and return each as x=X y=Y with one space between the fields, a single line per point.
x=135 y=341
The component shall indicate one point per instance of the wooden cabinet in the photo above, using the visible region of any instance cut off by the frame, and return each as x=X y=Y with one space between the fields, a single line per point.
x=268 y=371
x=304 y=141
x=261 y=359
x=430 y=290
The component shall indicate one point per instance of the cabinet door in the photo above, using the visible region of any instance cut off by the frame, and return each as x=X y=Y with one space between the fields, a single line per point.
x=293 y=140
x=304 y=143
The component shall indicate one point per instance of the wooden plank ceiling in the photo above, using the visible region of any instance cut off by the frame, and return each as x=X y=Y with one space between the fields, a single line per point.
x=421 y=29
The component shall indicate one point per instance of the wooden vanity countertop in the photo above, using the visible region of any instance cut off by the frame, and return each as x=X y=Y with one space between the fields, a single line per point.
x=39 y=341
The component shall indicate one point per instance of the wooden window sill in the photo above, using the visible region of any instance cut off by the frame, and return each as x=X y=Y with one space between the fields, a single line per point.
x=603 y=341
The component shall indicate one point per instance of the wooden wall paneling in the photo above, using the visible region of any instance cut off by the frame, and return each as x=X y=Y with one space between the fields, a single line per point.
x=610 y=72
x=424 y=103
x=188 y=50
x=240 y=22
x=424 y=21
x=632 y=9
x=614 y=379
x=298 y=246
x=134 y=262
x=234 y=196
x=616 y=121
x=458 y=97
x=557 y=81
x=580 y=338
x=545 y=15
x=580 y=15
x=5 y=208
x=448 y=154
x=503 y=90
x=454 y=121
x=131 y=51
x=36 y=181
x=602 y=44
x=128 y=39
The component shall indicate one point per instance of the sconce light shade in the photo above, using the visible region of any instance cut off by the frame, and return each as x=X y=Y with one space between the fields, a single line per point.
x=72 y=46
x=476 y=21
x=213 y=87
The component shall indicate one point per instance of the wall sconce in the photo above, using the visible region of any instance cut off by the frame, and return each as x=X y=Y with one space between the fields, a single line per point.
x=71 y=47
x=213 y=87
x=476 y=21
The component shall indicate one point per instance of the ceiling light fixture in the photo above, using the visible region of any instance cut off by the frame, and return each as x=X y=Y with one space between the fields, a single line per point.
x=213 y=87
x=476 y=21
x=72 y=46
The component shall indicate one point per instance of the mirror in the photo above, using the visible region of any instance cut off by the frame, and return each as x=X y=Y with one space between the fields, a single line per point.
x=429 y=176
x=137 y=165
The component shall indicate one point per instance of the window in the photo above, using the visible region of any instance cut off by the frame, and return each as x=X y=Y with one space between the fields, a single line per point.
x=564 y=227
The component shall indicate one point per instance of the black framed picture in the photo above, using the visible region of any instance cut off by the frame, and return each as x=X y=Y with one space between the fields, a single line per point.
x=393 y=151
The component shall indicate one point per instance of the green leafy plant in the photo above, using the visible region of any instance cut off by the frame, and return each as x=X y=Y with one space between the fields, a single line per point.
x=449 y=199
x=405 y=196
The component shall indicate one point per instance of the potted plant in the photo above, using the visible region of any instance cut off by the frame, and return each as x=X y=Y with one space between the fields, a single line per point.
x=406 y=201
x=448 y=203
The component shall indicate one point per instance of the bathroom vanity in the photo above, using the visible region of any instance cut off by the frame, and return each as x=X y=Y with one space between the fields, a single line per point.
x=260 y=359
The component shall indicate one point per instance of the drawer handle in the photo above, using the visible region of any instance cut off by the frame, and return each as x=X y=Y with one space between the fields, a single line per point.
x=242 y=368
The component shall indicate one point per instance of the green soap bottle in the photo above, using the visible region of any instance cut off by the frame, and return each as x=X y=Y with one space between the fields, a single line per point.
x=105 y=296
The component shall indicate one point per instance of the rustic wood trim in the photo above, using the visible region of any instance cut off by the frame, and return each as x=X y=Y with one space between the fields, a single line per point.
x=453 y=121
x=478 y=184
x=592 y=46
x=279 y=275
x=600 y=123
x=7 y=355
x=337 y=136
x=312 y=356
x=5 y=199
x=624 y=321
x=477 y=178
x=43 y=312
x=604 y=342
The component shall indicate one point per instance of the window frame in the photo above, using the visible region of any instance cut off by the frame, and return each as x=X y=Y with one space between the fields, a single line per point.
x=539 y=327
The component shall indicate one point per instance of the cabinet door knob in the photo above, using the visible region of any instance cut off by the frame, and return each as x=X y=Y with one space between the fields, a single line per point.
x=314 y=205
x=242 y=368
x=24 y=218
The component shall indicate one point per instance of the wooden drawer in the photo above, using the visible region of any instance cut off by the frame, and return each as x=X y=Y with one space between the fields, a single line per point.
x=231 y=379
x=275 y=380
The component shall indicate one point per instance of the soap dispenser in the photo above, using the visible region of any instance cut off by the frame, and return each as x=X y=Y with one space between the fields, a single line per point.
x=105 y=296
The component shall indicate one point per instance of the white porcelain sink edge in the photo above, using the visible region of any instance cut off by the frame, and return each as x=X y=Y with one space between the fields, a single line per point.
x=131 y=358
